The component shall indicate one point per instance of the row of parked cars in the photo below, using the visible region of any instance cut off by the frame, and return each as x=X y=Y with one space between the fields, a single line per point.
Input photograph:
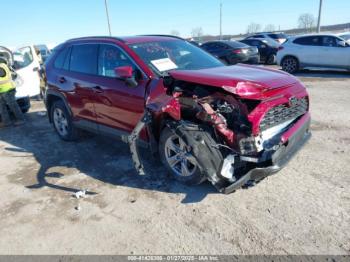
x=326 y=51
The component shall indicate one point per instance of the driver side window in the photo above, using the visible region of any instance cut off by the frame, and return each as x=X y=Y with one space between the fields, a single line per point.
x=111 y=57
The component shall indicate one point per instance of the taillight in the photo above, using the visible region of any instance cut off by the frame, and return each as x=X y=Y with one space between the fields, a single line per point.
x=237 y=51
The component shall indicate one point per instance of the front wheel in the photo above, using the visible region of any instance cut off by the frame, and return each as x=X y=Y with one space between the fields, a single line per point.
x=62 y=122
x=176 y=157
x=290 y=64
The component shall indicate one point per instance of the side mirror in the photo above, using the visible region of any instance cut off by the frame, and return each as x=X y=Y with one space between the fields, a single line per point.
x=126 y=73
x=123 y=72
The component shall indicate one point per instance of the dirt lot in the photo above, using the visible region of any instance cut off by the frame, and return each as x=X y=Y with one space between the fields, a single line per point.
x=304 y=209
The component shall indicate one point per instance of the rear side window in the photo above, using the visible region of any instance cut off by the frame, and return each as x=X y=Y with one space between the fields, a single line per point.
x=309 y=40
x=277 y=36
x=209 y=45
x=61 y=57
x=83 y=59
x=255 y=43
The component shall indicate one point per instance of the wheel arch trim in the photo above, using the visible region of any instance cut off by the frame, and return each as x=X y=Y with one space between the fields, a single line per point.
x=52 y=96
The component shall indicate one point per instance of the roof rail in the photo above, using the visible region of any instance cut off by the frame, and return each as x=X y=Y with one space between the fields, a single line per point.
x=173 y=36
x=96 y=37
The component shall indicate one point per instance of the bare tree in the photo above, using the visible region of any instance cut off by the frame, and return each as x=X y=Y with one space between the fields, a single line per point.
x=197 y=32
x=307 y=22
x=175 y=32
x=270 y=28
x=253 y=28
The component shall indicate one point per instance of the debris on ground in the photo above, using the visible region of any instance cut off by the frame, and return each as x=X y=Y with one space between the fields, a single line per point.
x=41 y=113
x=80 y=194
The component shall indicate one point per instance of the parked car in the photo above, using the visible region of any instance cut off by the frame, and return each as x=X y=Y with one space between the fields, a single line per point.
x=27 y=66
x=278 y=37
x=44 y=51
x=267 y=49
x=232 y=52
x=314 y=52
x=345 y=36
x=22 y=97
x=232 y=125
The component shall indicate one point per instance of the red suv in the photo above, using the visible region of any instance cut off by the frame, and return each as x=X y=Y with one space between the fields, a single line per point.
x=232 y=125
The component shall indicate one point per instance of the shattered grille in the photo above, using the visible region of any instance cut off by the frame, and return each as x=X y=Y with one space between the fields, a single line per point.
x=283 y=113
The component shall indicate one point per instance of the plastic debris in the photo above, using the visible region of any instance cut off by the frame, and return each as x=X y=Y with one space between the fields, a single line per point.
x=78 y=208
x=41 y=113
x=80 y=194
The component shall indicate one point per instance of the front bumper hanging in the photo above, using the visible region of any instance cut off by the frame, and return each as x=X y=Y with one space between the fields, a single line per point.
x=297 y=137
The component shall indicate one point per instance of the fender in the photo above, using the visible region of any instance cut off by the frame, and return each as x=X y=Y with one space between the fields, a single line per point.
x=52 y=95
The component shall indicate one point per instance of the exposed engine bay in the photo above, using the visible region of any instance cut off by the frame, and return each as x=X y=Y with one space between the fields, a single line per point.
x=216 y=126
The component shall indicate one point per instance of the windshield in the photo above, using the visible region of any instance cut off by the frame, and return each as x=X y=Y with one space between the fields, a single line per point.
x=163 y=56
x=345 y=37
x=23 y=57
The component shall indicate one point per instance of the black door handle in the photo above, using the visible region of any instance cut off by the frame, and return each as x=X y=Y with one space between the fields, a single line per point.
x=62 y=80
x=97 y=89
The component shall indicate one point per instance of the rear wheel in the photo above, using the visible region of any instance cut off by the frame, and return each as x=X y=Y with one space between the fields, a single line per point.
x=62 y=122
x=290 y=64
x=180 y=163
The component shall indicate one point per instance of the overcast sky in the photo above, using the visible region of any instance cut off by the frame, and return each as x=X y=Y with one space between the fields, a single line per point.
x=54 y=21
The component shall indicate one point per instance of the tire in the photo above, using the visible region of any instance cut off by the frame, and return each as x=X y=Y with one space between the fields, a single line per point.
x=24 y=111
x=290 y=64
x=62 y=122
x=225 y=60
x=271 y=59
x=171 y=150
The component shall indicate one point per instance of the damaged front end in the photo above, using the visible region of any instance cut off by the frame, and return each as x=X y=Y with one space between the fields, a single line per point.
x=237 y=135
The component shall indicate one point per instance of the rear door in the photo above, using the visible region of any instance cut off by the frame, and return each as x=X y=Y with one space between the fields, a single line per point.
x=117 y=105
x=77 y=77
x=308 y=50
x=27 y=67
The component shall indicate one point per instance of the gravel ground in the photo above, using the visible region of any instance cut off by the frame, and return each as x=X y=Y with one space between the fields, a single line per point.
x=304 y=209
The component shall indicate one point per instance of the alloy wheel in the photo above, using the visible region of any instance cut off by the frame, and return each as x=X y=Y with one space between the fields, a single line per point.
x=179 y=159
x=60 y=121
x=290 y=65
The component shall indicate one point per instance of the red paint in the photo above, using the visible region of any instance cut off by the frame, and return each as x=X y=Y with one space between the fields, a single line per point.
x=123 y=71
x=296 y=127
x=118 y=106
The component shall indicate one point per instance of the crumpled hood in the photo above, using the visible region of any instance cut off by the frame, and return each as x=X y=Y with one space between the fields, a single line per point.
x=229 y=77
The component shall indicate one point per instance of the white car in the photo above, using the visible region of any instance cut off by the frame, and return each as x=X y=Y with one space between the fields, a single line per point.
x=27 y=66
x=345 y=36
x=327 y=52
x=22 y=96
x=278 y=37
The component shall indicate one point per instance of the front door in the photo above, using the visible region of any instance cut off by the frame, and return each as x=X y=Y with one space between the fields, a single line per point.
x=333 y=54
x=27 y=67
x=117 y=105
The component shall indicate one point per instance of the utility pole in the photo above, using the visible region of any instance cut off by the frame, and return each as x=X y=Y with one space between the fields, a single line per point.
x=220 y=21
x=109 y=24
x=319 y=18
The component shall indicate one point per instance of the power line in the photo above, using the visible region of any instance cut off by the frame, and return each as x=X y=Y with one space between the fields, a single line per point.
x=109 y=24
x=319 y=18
